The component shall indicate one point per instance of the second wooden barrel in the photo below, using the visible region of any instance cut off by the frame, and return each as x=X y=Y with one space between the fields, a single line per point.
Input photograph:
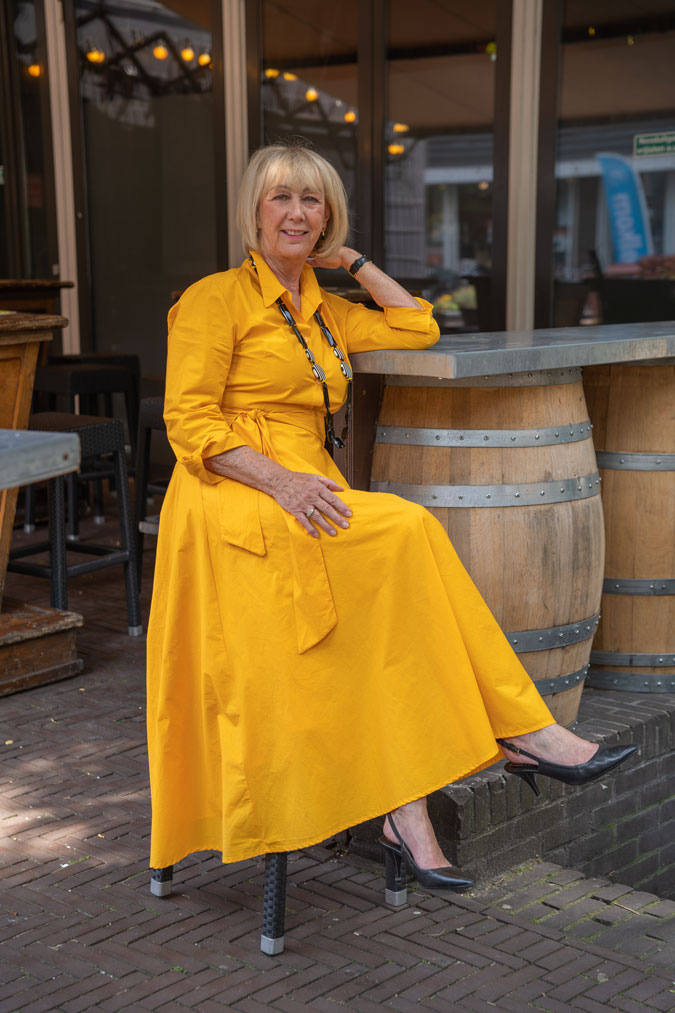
x=633 y=409
x=507 y=465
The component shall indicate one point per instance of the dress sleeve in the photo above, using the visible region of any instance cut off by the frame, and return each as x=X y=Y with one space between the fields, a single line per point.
x=202 y=336
x=366 y=330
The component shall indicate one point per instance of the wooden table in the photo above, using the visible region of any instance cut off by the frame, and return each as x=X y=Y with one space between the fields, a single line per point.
x=491 y=433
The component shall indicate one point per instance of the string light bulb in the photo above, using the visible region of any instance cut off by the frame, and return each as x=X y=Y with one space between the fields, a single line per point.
x=95 y=55
x=34 y=69
x=160 y=52
x=271 y=73
x=350 y=116
x=591 y=31
x=187 y=53
x=204 y=59
x=630 y=40
x=290 y=77
x=400 y=128
x=396 y=149
x=311 y=94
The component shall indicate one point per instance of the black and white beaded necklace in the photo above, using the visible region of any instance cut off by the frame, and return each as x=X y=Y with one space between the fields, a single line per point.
x=331 y=439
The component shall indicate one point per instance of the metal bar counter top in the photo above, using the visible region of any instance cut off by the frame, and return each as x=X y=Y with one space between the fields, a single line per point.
x=501 y=352
x=493 y=434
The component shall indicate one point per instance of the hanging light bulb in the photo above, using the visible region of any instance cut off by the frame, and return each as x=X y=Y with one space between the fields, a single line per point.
x=271 y=73
x=290 y=77
x=311 y=94
x=204 y=59
x=400 y=128
x=396 y=149
x=350 y=116
x=160 y=52
x=34 y=69
x=591 y=30
x=491 y=50
x=94 y=55
x=187 y=53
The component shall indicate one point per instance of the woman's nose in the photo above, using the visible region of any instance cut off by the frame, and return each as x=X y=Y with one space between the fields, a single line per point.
x=295 y=209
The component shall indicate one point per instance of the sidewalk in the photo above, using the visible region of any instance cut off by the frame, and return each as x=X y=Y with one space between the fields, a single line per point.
x=79 y=929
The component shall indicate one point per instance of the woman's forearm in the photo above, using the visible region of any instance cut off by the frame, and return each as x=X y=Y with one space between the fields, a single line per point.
x=383 y=289
x=248 y=466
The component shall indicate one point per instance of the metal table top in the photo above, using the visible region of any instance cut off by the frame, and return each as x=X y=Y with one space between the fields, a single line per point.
x=501 y=352
x=31 y=456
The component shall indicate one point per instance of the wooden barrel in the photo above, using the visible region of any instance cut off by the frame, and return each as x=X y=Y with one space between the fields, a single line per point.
x=633 y=410
x=507 y=465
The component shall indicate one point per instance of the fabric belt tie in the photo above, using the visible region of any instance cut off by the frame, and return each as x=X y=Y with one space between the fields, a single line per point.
x=315 y=614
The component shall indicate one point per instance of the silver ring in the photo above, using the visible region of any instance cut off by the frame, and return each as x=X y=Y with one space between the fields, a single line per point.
x=310 y=511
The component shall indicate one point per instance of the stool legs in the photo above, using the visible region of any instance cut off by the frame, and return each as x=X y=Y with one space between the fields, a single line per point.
x=274 y=899
x=58 y=585
x=129 y=543
x=274 y=904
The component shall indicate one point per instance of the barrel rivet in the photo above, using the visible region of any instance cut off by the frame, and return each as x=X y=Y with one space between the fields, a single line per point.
x=461 y=437
x=536 y=436
x=658 y=682
x=617 y=586
x=487 y=495
x=407 y=436
x=540 y=639
x=529 y=376
x=542 y=493
x=562 y=488
x=461 y=497
x=486 y=437
x=514 y=641
x=660 y=661
x=513 y=439
x=557 y=434
x=651 y=587
x=438 y=436
x=579 y=488
x=658 y=460
x=517 y=495
x=622 y=461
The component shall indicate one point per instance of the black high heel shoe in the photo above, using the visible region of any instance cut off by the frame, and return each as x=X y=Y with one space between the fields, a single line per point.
x=606 y=758
x=397 y=856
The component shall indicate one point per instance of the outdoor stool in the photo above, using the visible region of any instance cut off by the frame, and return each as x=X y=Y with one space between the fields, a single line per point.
x=150 y=416
x=89 y=380
x=274 y=897
x=97 y=436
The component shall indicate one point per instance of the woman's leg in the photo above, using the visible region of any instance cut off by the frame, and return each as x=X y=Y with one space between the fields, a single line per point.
x=553 y=743
x=414 y=826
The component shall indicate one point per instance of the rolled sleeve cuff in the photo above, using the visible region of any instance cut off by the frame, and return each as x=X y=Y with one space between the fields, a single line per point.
x=213 y=446
x=408 y=318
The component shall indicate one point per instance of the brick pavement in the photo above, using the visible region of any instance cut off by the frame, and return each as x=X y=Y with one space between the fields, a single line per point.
x=79 y=929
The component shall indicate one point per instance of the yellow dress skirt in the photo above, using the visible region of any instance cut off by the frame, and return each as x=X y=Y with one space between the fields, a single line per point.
x=298 y=686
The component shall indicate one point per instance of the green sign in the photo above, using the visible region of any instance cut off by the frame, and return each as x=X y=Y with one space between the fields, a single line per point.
x=654 y=144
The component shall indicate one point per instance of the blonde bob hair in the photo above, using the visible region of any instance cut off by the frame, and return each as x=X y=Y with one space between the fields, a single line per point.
x=298 y=168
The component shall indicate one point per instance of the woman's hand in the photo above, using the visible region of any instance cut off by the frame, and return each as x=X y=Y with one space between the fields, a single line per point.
x=312 y=501
x=344 y=257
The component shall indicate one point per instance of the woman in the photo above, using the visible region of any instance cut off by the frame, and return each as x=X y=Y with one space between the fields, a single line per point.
x=317 y=655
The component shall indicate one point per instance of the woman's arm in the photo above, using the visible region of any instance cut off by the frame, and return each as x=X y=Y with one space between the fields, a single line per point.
x=296 y=492
x=383 y=289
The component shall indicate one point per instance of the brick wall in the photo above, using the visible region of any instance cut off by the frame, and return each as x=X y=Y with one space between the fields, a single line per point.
x=622 y=826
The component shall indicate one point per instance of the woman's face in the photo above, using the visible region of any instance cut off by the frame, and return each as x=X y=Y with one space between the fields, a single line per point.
x=290 y=222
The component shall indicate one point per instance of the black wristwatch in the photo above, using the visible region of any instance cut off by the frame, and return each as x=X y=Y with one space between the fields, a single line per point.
x=358 y=264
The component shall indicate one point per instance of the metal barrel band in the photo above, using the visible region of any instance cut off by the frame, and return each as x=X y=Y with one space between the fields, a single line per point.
x=525 y=641
x=614 y=461
x=572 y=432
x=524 y=494
x=561 y=682
x=638 y=585
x=532 y=378
x=632 y=660
x=634 y=682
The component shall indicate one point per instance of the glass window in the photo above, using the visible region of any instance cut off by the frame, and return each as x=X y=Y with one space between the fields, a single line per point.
x=309 y=79
x=438 y=177
x=32 y=133
x=614 y=240
x=145 y=82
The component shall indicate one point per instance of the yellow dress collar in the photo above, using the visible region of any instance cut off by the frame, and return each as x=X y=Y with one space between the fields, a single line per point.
x=271 y=288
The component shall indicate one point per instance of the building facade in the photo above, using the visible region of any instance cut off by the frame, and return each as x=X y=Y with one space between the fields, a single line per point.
x=514 y=160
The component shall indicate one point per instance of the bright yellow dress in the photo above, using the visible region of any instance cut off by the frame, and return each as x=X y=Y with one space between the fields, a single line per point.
x=297 y=685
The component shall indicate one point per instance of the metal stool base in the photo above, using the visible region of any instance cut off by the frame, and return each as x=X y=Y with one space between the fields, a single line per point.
x=396 y=898
x=272 y=946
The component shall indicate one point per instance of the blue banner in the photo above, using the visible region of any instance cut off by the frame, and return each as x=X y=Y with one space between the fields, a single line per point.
x=628 y=216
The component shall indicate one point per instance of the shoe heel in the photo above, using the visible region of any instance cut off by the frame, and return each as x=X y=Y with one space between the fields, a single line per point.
x=396 y=887
x=528 y=774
